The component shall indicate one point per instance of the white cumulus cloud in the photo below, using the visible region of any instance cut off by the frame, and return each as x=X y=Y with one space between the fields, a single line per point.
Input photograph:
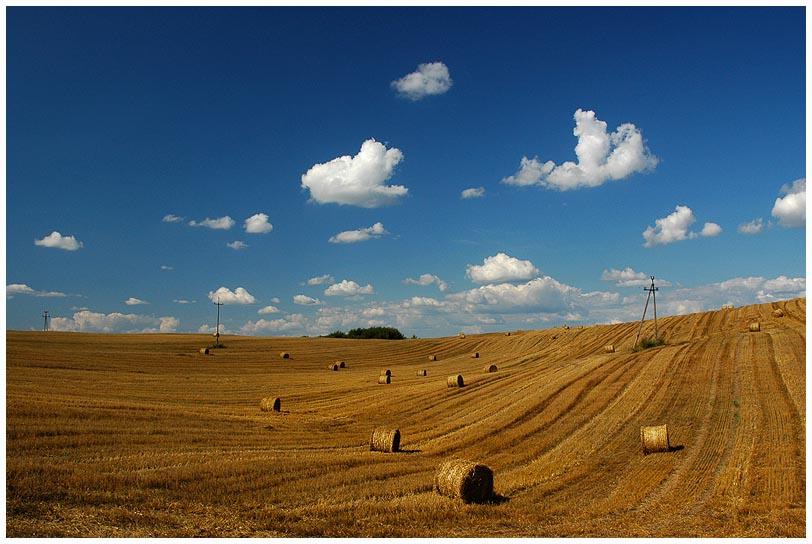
x=501 y=268
x=543 y=294
x=268 y=310
x=258 y=224
x=674 y=228
x=171 y=218
x=473 y=192
x=348 y=288
x=790 y=210
x=237 y=245
x=320 y=280
x=431 y=78
x=428 y=279
x=753 y=227
x=23 y=289
x=225 y=295
x=359 y=235
x=601 y=157
x=628 y=277
x=221 y=223
x=710 y=230
x=304 y=300
x=55 y=239
x=87 y=321
x=132 y=301
x=357 y=181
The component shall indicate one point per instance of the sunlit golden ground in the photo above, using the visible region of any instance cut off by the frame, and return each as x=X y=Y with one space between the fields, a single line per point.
x=140 y=435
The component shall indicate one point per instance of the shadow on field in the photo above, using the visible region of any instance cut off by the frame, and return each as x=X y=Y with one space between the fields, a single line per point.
x=496 y=498
x=409 y=451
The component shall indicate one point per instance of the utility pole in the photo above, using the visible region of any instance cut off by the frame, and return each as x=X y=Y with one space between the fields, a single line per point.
x=651 y=291
x=217 y=330
x=46 y=327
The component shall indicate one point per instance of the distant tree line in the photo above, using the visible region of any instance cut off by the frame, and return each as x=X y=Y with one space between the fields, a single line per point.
x=380 y=333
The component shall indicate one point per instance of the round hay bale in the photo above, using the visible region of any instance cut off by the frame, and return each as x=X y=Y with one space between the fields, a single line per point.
x=384 y=379
x=507 y=334
x=270 y=404
x=385 y=440
x=204 y=351
x=489 y=368
x=432 y=357
x=609 y=348
x=475 y=355
x=654 y=439
x=421 y=372
x=285 y=355
x=462 y=335
x=465 y=480
x=755 y=326
x=778 y=312
x=341 y=364
x=455 y=381
x=386 y=372
x=333 y=366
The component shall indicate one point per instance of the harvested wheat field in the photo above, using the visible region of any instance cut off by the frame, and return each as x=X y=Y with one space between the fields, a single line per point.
x=140 y=436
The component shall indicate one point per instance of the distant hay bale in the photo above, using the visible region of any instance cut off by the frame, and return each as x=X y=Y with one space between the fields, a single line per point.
x=432 y=357
x=727 y=306
x=455 y=381
x=462 y=335
x=565 y=327
x=285 y=355
x=421 y=372
x=269 y=404
x=386 y=372
x=340 y=364
x=460 y=479
x=654 y=439
x=778 y=312
x=333 y=366
x=384 y=379
x=490 y=368
x=385 y=440
x=475 y=355
x=507 y=334
x=204 y=351
x=609 y=348
x=755 y=326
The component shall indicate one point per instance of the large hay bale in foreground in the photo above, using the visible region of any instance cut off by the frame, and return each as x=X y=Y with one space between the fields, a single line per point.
x=384 y=379
x=466 y=480
x=609 y=348
x=270 y=404
x=489 y=368
x=755 y=326
x=654 y=439
x=421 y=372
x=778 y=312
x=385 y=440
x=204 y=351
x=455 y=381
x=285 y=355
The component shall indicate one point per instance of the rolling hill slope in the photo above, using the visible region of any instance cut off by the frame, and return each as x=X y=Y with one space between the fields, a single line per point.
x=140 y=435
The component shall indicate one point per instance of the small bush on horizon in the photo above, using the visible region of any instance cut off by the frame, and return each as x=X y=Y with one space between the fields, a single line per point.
x=647 y=343
x=380 y=333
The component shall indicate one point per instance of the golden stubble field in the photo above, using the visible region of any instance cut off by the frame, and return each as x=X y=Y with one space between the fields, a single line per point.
x=142 y=436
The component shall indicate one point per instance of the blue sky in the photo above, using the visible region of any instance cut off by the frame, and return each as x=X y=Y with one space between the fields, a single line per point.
x=434 y=169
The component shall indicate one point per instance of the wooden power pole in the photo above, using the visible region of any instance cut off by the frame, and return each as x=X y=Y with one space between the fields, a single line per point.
x=652 y=291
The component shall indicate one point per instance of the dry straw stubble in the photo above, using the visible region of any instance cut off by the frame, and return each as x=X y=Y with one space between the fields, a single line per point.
x=461 y=479
x=385 y=440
